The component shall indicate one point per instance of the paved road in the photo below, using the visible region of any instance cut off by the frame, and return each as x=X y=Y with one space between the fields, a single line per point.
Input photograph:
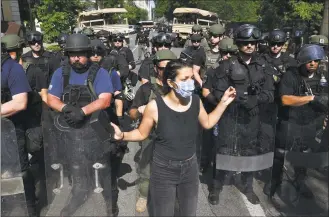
x=232 y=202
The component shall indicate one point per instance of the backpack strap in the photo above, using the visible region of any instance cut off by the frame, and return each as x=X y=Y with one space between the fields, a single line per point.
x=94 y=68
x=66 y=71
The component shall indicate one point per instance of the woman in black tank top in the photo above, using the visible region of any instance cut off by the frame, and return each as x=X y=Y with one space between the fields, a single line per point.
x=176 y=117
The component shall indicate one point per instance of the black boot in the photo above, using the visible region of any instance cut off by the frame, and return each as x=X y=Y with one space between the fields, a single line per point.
x=252 y=197
x=271 y=187
x=213 y=196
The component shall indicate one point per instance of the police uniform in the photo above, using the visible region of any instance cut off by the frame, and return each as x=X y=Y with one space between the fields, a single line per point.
x=297 y=125
x=83 y=147
x=238 y=128
x=13 y=82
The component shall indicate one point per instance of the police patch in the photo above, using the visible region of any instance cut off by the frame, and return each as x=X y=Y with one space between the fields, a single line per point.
x=276 y=78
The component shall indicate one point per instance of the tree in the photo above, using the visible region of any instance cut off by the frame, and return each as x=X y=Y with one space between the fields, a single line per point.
x=304 y=14
x=325 y=18
x=58 y=16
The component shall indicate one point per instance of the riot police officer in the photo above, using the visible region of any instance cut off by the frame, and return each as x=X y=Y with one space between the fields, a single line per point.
x=216 y=32
x=162 y=41
x=227 y=49
x=281 y=61
x=78 y=94
x=197 y=29
x=117 y=39
x=38 y=57
x=197 y=56
x=98 y=55
x=14 y=46
x=236 y=143
x=147 y=92
x=14 y=99
x=263 y=43
x=88 y=31
x=131 y=79
x=115 y=110
x=304 y=100
x=104 y=36
x=142 y=43
x=61 y=40
x=322 y=41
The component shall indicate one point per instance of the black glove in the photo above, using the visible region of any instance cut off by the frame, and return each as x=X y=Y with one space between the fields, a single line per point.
x=251 y=105
x=73 y=115
x=321 y=102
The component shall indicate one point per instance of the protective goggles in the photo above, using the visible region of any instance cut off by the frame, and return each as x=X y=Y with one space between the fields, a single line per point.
x=248 y=33
x=164 y=39
x=34 y=38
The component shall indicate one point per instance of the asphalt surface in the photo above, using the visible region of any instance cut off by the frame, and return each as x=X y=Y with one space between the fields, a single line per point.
x=232 y=202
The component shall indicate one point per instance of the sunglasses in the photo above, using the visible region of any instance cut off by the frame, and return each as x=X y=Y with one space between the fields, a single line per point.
x=163 y=45
x=196 y=41
x=117 y=40
x=279 y=44
x=246 y=43
x=34 y=42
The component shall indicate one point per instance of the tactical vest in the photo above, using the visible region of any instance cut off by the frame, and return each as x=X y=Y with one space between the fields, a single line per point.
x=80 y=95
x=212 y=58
x=5 y=92
x=41 y=62
x=155 y=90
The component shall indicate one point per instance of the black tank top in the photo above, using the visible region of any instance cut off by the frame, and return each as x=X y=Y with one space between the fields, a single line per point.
x=177 y=131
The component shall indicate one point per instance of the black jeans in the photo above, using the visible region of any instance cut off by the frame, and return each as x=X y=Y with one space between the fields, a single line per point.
x=170 y=178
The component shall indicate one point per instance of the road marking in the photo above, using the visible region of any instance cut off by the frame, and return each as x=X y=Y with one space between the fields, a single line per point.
x=134 y=48
x=254 y=210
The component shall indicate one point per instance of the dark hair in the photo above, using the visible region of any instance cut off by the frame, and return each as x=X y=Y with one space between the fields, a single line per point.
x=171 y=71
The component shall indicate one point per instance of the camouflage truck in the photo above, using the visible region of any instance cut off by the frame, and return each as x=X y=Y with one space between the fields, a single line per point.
x=185 y=18
x=109 y=19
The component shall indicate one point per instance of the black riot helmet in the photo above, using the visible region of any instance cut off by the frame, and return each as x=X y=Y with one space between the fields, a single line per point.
x=97 y=47
x=77 y=42
x=102 y=33
x=118 y=36
x=278 y=36
x=308 y=53
x=247 y=32
x=61 y=40
x=163 y=39
x=34 y=36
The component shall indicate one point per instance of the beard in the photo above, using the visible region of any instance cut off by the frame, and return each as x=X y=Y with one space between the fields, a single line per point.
x=78 y=65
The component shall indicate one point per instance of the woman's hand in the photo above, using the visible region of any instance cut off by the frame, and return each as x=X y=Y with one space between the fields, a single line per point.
x=118 y=135
x=228 y=96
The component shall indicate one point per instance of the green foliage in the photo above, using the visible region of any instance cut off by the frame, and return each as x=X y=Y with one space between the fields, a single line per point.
x=58 y=16
x=305 y=10
x=53 y=48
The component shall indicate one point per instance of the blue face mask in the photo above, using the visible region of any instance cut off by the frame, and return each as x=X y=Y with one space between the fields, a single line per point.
x=185 y=88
